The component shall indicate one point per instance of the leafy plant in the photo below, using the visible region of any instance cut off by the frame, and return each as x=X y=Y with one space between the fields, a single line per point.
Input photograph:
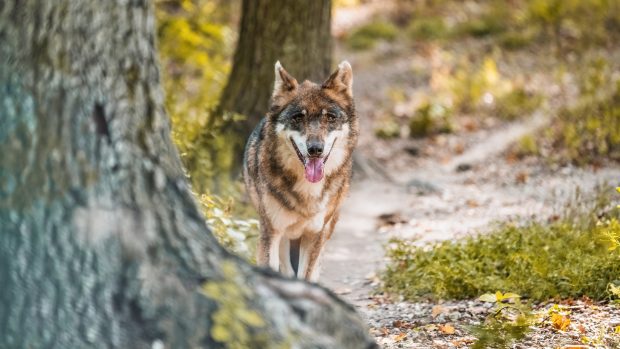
x=366 y=36
x=387 y=128
x=429 y=28
x=508 y=322
x=589 y=131
x=431 y=117
x=531 y=259
x=237 y=234
x=195 y=45
x=517 y=103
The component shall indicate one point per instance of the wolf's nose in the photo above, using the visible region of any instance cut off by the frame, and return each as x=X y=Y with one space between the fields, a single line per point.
x=315 y=149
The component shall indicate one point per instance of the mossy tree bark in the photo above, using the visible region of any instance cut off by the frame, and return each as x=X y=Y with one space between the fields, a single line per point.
x=295 y=32
x=102 y=244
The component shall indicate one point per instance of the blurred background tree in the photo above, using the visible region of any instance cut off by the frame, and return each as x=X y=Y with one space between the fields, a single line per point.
x=196 y=37
x=295 y=32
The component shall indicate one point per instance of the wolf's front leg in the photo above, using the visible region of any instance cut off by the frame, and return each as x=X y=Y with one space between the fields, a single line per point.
x=268 y=249
x=309 y=256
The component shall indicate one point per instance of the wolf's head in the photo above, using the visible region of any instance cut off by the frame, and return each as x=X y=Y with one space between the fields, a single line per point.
x=316 y=124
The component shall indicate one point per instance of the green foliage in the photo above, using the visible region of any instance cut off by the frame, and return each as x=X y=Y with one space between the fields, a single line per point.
x=469 y=86
x=588 y=22
x=488 y=24
x=508 y=322
x=428 y=28
x=516 y=24
x=367 y=36
x=589 y=131
x=517 y=39
x=387 y=128
x=431 y=117
x=517 y=103
x=237 y=234
x=527 y=146
x=195 y=45
x=566 y=258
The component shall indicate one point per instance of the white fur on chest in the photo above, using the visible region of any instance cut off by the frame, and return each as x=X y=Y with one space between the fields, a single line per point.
x=294 y=223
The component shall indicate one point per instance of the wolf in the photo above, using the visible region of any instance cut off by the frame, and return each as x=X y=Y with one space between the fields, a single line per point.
x=297 y=168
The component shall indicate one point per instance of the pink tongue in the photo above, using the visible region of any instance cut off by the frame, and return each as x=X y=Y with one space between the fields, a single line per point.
x=314 y=169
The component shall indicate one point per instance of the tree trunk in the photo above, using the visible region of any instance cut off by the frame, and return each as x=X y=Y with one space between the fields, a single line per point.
x=102 y=244
x=295 y=32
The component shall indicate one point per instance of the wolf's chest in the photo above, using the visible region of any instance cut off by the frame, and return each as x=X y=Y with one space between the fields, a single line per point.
x=308 y=216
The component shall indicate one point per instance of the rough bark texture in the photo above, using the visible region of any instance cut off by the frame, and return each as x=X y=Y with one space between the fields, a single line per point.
x=102 y=244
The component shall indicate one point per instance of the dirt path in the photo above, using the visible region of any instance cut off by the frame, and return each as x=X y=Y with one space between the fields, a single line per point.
x=438 y=202
x=440 y=188
x=434 y=198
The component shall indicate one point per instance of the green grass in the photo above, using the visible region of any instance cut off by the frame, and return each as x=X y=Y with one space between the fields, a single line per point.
x=429 y=28
x=431 y=118
x=570 y=257
x=367 y=36
x=517 y=103
x=588 y=132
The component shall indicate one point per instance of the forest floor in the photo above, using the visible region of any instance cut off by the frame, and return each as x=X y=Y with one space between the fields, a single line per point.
x=437 y=188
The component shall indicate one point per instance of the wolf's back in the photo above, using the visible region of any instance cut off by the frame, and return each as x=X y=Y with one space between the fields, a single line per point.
x=250 y=155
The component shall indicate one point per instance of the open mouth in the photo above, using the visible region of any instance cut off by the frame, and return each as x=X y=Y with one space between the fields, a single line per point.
x=313 y=165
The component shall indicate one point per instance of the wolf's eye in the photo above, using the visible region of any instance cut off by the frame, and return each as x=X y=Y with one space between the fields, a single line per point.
x=331 y=117
x=297 y=117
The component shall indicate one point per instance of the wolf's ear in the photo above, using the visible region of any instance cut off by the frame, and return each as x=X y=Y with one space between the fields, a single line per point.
x=284 y=81
x=341 y=80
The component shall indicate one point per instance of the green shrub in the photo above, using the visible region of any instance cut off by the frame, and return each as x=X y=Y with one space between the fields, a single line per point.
x=518 y=39
x=431 y=118
x=430 y=28
x=483 y=26
x=527 y=146
x=195 y=47
x=366 y=36
x=236 y=234
x=387 y=129
x=566 y=258
x=589 y=132
x=590 y=22
x=468 y=84
x=517 y=103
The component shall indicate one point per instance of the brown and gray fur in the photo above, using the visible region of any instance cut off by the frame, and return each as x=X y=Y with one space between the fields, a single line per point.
x=297 y=217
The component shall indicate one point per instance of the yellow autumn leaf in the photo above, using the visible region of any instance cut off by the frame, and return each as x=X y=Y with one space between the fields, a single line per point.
x=560 y=322
x=488 y=297
x=447 y=329
x=400 y=337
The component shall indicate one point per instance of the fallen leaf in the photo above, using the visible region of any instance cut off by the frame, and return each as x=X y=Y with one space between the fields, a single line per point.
x=385 y=331
x=472 y=203
x=522 y=177
x=560 y=322
x=400 y=337
x=447 y=329
x=581 y=329
x=462 y=341
x=401 y=324
x=459 y=148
